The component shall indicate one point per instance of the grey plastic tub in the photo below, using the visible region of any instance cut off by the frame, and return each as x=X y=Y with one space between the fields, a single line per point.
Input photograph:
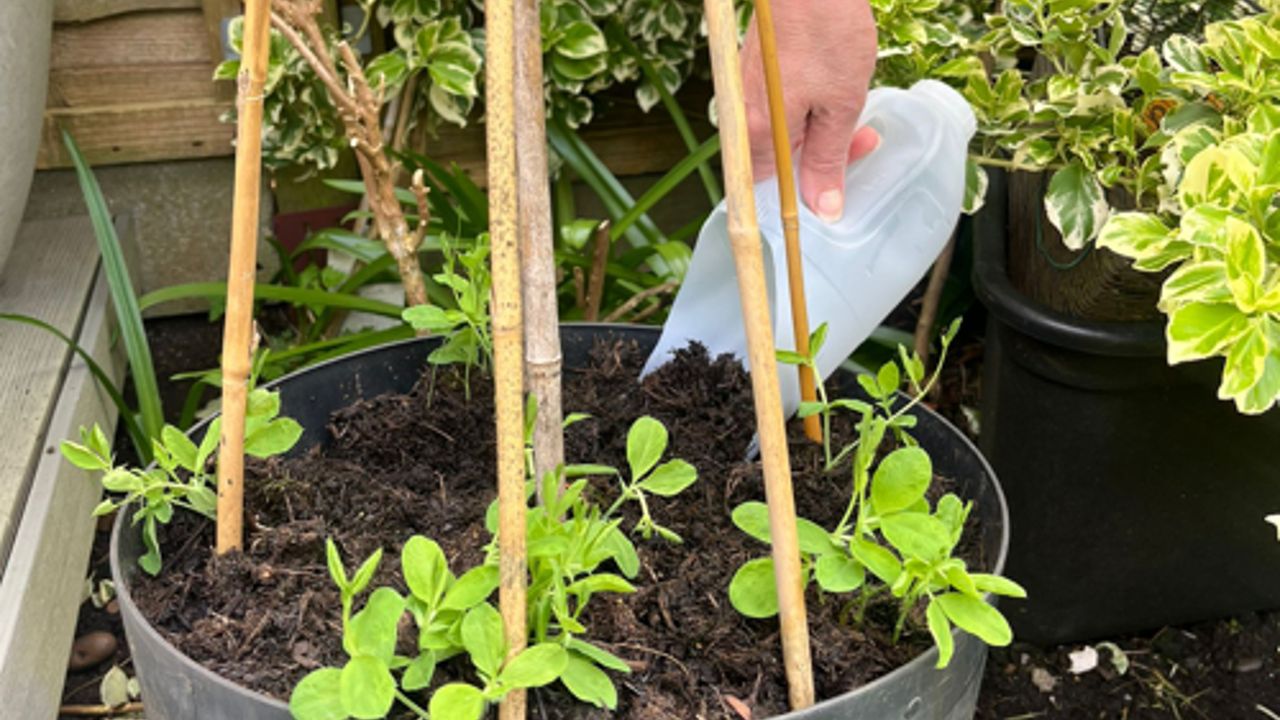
x=174 y=687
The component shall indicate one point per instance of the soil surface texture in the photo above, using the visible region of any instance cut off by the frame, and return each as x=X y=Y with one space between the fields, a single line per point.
x=1221 y=670
x=424 y=463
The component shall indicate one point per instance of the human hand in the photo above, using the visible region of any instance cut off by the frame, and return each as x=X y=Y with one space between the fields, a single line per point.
x=827 y=53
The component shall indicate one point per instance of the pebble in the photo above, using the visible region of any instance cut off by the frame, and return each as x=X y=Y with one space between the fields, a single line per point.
x=1248 y=665
x=1044 y=680
x=91 y=649
x=113 y=607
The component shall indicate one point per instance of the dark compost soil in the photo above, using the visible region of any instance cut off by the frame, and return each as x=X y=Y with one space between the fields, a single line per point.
x=423 y=463
x=1220 y=670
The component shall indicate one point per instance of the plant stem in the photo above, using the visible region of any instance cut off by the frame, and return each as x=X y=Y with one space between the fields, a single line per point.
x=404 y=700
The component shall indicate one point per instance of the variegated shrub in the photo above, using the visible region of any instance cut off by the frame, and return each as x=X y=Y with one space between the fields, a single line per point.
x=1219 y=227
x=589 y=47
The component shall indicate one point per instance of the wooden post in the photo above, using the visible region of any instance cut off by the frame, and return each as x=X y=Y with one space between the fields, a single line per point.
x=787 y=201
x=537 y=247
x=744 y=235
x=508 y=351
x=237 y=333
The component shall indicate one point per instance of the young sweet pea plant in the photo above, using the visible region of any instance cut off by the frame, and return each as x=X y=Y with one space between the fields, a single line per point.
x=570 y=544
x=180 y=477
x=889 y=528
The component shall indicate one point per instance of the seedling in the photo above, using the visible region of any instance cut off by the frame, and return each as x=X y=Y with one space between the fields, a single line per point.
x=569 y=541
x=882 y=388
x=888 y=529
x=180 y=477
x=466 y=327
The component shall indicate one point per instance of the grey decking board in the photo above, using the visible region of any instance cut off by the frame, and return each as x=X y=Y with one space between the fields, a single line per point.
x=40 y=589
x=48 y=276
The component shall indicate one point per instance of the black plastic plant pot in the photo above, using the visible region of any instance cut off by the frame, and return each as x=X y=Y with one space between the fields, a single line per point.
x=1139 y=496
x=174 y=687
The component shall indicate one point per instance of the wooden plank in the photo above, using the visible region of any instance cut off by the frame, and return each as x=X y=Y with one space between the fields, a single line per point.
x=40 y=589
x=130 y=84
x=627 y=142
x=47 y=277
x=138 y=133
x=84 y=10
x=216 y=12
x=147 y=38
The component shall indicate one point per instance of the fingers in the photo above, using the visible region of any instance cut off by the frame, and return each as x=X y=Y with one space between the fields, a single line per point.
x=827 y=146
x=865 y=142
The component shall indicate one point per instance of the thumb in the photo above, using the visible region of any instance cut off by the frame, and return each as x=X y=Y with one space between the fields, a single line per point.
x=827 y=142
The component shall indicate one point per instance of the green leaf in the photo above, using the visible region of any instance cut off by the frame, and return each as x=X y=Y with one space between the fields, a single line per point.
x=600 y=582
x=318 y=696
x=889 y=378
x=81 y=457
x=1142 y=237
x=1204 y=282
x=364 y=574
x=457 y=701
x=646 y=441
x=373 y=630
x=581 y=40
x=901 y=480
x=589 y=683
x=790 y=357
x=475 y=586
x=975 y=185
x=623 y=552
x=940 y=629
x=483 y=639
x=1246 y=263
x=420 y=671
x=670 y=478
x=976 y=617
x=336 y=570
x=275 y=438
x=535 y=666
x=917 y=535
x=1076 y=205
x=997 y=585
x=601 y=657
x=1199 y=330
x=1246 y=361
x=426 y=571
x=880 y=561
x=123 y=298
x=752 y=591
x=367 y=688
x=837 y=573
x=1183 y=54
x=752 y=518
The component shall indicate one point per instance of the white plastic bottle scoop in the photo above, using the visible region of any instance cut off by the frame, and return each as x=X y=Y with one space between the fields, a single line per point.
x=901 y=205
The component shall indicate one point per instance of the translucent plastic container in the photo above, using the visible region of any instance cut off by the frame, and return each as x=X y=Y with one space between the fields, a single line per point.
x=901 y=205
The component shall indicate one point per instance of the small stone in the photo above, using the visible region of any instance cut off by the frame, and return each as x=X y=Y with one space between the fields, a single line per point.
x=113 y=607
x=1043 y=680
x=1248 y=665
x=91 y=649
x=1083 y=660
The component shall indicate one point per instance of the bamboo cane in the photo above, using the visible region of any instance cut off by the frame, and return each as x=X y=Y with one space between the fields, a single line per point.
x=508 y=352
x=537 y=251
x=237 y=328
x=787 y=201
x=744 y=235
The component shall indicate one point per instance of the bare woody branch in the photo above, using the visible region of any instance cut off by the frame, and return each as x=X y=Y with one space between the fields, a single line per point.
x=359 y=106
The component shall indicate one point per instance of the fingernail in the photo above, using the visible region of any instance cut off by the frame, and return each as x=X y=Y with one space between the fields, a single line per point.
x=831 y=205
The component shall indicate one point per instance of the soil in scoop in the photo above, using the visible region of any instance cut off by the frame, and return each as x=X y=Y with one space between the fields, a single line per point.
x=423 y=463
